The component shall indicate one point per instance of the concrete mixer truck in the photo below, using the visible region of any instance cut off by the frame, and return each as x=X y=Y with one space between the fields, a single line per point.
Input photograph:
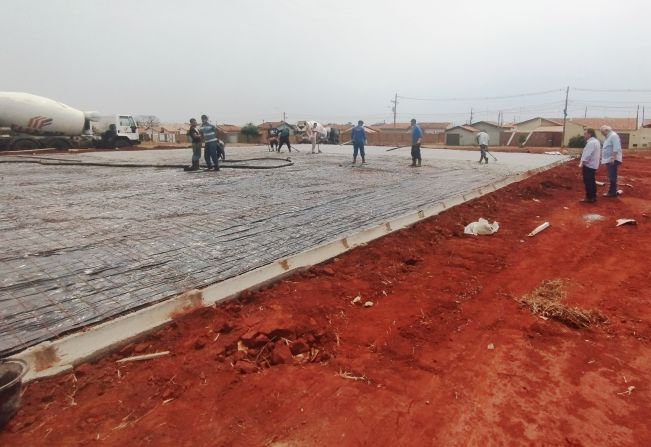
x=30 y=122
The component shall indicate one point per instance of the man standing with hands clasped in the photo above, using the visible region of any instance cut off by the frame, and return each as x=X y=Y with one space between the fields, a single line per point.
x=611 y=156
x=416 y=139
x=589 y=164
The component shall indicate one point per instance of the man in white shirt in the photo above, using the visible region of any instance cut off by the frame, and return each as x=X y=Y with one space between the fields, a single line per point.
x=611 y=156
x=589 y=164
x=483 y=139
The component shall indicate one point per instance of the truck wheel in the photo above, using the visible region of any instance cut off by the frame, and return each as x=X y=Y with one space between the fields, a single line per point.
x=123 y=142
x=61 y=145
x=24 y=145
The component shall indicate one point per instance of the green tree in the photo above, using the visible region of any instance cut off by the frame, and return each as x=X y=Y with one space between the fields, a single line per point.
x=577 y=141
x=250 y=131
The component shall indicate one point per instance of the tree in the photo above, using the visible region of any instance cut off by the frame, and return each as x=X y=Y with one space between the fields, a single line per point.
x=148 y=122
x=250 y=130
x=577 y=141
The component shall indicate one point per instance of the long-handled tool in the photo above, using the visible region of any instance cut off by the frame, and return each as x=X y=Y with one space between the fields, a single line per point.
x=494 y=158
x=399 y=147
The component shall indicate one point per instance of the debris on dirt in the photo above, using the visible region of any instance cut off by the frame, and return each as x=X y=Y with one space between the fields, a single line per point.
x=369 y=304
x=482 y=226
x=628 y=391
x=539 y=228
x=535 y=200
x=621 y=222
x=593 y=217
x=136 y=358
x=356 y=300
x=547 y=301
x=600 y=183
x=350 y=376
x=490 y=346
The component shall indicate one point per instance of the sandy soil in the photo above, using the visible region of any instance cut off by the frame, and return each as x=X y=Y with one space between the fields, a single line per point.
x=298 y=364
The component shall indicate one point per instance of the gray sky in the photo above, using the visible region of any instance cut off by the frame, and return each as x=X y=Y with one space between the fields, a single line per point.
x=333 y=61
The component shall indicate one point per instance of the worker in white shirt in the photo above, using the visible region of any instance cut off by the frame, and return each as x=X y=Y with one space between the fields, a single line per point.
x=314 y=133
x=483 y=139
x=611 y=156
x=589 y=164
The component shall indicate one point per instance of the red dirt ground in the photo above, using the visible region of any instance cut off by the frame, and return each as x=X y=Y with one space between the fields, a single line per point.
x=421 y=352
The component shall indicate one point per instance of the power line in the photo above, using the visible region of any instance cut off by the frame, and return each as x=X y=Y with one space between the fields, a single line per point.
x=626 y=90
x=483 y=98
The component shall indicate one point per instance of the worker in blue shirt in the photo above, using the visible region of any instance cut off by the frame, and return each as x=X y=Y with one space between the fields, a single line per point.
x=211 y=150
x=611 y=156
x=358 y=137
x=416 y=139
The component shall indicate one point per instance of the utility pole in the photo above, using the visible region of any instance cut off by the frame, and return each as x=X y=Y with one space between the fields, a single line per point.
x=470 y=122
x=642 y=116
x=637 y=117
x=395 y=109
x=585 y=115
x=284 y=117
x=567 y=94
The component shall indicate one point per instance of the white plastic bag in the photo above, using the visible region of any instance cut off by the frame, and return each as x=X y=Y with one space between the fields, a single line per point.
x=482 y=226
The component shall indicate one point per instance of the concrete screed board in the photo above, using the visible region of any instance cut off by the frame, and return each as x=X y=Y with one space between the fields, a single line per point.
x=83 y=244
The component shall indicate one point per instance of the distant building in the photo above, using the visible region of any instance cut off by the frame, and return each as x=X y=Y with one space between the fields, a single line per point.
x=461 y=136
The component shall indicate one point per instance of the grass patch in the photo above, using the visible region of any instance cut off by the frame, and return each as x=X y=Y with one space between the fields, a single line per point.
x=547 y=302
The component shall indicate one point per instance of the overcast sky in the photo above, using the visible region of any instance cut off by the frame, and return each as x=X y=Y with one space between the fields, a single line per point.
x=332 y=61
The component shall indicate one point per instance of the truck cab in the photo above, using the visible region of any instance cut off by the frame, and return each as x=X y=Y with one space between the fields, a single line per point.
x=125 y=126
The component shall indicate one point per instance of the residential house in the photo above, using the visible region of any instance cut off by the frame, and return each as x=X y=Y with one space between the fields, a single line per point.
x=491 y=128
x=399 y=135
x=461 y=136
x=623 y=127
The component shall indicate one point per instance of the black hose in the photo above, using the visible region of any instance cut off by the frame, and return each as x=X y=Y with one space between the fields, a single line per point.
x=53 y=162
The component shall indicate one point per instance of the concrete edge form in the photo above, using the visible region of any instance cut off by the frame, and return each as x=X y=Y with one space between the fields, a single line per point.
x=54 y=357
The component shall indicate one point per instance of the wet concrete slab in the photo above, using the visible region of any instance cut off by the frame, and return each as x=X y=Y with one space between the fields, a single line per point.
x=81 y=244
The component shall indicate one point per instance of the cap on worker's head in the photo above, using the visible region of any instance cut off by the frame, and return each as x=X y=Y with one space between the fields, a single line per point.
x=204 y=117
x=360 y=123
x=192 y=120
x=413 y=121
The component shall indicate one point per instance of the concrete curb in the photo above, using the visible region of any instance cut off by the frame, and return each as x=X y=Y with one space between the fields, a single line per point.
x=54 y=357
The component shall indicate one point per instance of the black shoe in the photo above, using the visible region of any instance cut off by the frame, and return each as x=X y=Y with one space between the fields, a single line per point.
x=588 y=200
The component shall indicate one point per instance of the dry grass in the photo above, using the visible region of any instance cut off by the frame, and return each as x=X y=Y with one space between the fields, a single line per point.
x=547 y=301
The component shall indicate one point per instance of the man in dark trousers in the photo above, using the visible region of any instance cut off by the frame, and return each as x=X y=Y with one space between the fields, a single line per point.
x=284 y=138
x=211 y=151
x=194 y=137
x=109 y=138
x=589 y=164
x=416 y=139
x=358 y=137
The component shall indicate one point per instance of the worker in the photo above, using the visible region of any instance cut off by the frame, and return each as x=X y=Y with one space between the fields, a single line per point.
x=358 y=137
x=483 y=139
x=109 y=138
x=416 y=139
x=209 y=134
x=284 y=138
x=589 y=164
x=314 y=134
x=194 y=137
x=272 y=135
x=611 y=156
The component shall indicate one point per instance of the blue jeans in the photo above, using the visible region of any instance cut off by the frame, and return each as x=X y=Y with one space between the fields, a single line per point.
x=358 y=148
x=211 y=154
x=612 y=177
